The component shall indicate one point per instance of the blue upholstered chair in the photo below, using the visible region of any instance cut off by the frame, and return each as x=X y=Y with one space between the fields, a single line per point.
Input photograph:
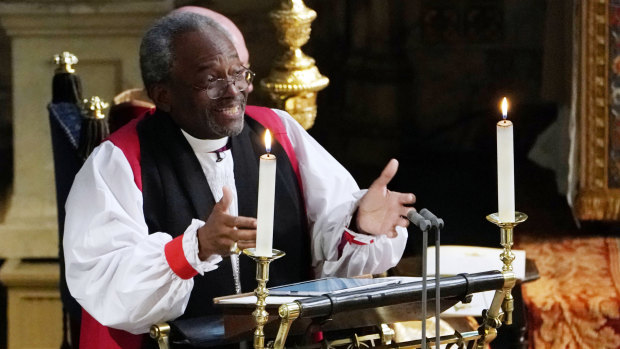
x=74 y=133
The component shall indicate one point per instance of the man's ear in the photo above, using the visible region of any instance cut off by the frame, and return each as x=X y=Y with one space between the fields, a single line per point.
x=160 y=94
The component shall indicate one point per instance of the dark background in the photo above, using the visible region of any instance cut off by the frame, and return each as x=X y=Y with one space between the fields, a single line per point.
x=421 y=80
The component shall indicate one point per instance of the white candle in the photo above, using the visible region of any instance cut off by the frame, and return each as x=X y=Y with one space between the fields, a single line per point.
x=266 y=200
x=505 y=168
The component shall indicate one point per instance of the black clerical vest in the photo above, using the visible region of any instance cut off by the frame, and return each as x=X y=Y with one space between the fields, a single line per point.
x=175 y=191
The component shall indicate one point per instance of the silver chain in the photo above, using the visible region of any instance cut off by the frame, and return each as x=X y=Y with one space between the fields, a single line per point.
x=234 y=260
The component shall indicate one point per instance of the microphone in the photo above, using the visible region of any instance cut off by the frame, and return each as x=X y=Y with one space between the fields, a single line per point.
x=418 y=220
x=435 y=222
x=424 y=225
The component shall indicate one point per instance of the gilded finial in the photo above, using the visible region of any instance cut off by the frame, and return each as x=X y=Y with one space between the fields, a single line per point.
x=95 y=107
x=64 y=61
x=294 y=80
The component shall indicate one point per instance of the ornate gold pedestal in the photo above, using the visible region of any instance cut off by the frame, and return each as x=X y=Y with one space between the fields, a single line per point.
x=502 y=305
x=294 y=81
x=261 y=292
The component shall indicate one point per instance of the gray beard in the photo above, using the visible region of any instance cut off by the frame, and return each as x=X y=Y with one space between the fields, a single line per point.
x=223 y=131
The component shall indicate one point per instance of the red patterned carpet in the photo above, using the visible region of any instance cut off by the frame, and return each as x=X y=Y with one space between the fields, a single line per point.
x=576 y=301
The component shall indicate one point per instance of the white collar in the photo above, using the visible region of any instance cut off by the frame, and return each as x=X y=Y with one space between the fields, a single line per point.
x=204 y=145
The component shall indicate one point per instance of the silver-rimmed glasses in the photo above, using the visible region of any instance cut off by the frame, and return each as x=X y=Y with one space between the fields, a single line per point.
x=216 y=88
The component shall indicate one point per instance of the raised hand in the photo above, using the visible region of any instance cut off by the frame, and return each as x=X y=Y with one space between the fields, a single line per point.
x=381 y=210
x=222 y=230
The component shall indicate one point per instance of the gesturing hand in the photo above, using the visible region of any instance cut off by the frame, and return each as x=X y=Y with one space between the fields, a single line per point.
x=381 y=210
x=222 y=230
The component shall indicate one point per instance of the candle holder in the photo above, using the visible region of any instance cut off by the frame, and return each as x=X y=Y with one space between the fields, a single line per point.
x=506 y=229
x=507 y=257
x=261 y=292
x=502 y=306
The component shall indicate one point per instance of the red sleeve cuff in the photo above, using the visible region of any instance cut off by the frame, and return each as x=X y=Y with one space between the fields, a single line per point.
x=348 y=238
x=176 y=259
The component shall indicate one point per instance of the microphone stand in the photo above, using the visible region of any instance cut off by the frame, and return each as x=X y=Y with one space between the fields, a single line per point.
x=424 y=225
x=436 y=225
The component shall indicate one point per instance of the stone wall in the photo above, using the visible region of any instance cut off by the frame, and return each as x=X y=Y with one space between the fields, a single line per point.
x=105 y=36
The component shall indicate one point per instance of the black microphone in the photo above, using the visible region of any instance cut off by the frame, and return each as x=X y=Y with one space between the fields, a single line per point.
x=418 y=220
x=435 y=222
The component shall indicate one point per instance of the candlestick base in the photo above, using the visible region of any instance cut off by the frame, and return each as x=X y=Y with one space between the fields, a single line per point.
x=261 y=292
x=520 y=217
x=506 y=229
x=493 y=318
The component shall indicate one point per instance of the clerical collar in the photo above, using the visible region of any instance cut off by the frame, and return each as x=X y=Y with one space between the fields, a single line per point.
x=219 y=153
x=207 y=145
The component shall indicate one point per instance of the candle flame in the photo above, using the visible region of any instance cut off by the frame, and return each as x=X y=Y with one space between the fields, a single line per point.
x=504 y=108
x=268 y=141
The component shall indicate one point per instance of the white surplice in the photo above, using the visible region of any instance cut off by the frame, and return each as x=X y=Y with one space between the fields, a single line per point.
x=118 y=271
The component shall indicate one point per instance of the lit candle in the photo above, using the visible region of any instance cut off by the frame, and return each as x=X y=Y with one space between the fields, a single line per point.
x=266 y=200
x=505 y=168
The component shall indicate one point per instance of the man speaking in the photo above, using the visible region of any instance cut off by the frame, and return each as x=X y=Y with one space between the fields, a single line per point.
x=155 y=210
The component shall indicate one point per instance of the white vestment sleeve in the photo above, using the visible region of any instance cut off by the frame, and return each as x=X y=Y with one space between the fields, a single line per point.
x=115 y=269
x=331 y=197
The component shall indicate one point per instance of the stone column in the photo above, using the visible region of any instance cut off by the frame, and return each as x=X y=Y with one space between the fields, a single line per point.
x=105 y=36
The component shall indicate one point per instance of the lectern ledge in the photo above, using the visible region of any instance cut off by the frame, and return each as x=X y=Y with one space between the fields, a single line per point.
x=346 y=314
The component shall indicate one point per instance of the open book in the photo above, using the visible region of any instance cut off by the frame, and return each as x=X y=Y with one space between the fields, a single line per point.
x=455 y=259
x=332 y=285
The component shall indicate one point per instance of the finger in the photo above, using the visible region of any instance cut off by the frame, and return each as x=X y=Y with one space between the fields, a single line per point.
x=404 y=211
x=403 y=222
x=242 y=222
x=224 y=203
x=239 y=221
x=405 y=198
x=387 y=174
x=245 y=235
x=392 y=233
x=246 y=244
x=224 y=245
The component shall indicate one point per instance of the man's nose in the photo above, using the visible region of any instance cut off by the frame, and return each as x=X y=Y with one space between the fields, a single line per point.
x=231 y=89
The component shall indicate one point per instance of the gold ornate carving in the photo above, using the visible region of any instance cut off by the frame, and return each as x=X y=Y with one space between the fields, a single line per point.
x=95 y=107
x=294 y=80
x=65 y=61
x=595 y=200
x=507 y=257
x=160 y=333
x=261 y=316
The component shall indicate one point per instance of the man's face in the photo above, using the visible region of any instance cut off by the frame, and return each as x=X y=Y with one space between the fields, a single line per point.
x=200 y=58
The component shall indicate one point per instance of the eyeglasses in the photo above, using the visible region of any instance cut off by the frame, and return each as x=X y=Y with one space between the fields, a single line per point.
x=216 y=88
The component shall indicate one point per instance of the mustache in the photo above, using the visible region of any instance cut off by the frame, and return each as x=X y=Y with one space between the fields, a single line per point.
x=229 y=102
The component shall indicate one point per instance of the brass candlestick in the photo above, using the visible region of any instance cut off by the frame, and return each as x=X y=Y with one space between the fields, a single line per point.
x=261 y=292
x=294 y=80
x=502 y=306
x=507 y=256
